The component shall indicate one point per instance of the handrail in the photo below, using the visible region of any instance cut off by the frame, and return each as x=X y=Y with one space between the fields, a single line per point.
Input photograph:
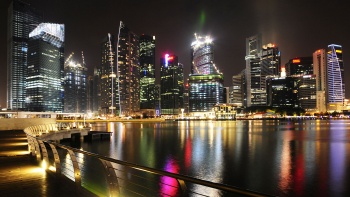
x=165 y=173
x=32 y=133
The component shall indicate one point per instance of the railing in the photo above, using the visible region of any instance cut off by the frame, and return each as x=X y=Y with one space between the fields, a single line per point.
x=118 y=177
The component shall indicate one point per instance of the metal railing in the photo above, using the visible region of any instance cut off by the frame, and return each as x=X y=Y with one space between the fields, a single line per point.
x=116 y=177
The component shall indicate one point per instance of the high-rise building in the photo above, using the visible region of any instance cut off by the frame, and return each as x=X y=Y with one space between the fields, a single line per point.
x=45 y=68
x=237 y=89
x=299 y=66
x=22 y=19
x=205 y=92
x=108 y=90
x=128 y=71
x=307 y=93
x=96 y=90
x=147 y=72
x=319 y=69
x=335 y=78
x=75 y=88
x=172 y=85
x=262 y=62
x=203 y=56
x=283 y=92
x=205 y=81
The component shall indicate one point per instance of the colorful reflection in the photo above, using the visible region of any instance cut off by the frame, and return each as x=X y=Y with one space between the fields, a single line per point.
x=169 y=186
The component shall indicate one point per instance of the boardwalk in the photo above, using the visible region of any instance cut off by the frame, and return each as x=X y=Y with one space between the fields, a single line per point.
x=21 y=176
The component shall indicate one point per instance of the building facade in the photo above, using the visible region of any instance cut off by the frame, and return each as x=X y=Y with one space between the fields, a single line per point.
x=147 y=72
x=75 y=88
x=320 y=71
x=283 y=92
x=172 y=85
x=128 y=71
x=205 y=81
x=22 y=19
x=307 y=93
x=335 y=78
x=45 y=68
x=108 y=90
x=299 y=66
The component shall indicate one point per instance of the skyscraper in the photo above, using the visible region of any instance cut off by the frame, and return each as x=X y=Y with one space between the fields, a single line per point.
x=22 y=19
x=108 y=78
x=45 y=68
x=206 y=81
x=261 y=62
x=75 y=87
x=147 y=72
x=319 y=69
x=299 y=66
x=128 y=71
x=172 y=85
x=203 y=56
x=335 y=78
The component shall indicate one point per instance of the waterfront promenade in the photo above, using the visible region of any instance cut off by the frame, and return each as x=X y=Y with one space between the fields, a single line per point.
x=21 y=175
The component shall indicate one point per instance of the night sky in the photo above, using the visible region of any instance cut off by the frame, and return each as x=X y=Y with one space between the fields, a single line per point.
x=297 y=27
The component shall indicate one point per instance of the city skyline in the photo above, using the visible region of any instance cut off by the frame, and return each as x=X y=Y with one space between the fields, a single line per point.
x=298 y=28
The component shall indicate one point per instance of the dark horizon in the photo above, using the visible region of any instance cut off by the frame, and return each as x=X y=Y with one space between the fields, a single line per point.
x=298 y=28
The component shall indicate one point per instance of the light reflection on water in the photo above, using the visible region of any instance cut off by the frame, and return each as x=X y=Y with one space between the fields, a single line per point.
x=284 y=158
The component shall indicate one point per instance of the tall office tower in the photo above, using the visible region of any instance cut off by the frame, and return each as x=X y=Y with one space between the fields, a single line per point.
x=253 y=80
x=128 y=71
x=22 y=19
x=205 y=81
x=237 y=91
x=45 y=68
x=307 y=93
x=96 y=91
x=203 y=56
x=335 y=78
x=270 y=60
x=90 y=94
x=172 y=85
x=157 y=98
x=299 y=66
x=283 y=92
x=109 y=101
x=75 y=87
x=319 y=68
x=261 y=62
x=147 y=72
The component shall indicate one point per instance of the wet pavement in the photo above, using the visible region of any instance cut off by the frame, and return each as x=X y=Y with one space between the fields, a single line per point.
x=21 y=175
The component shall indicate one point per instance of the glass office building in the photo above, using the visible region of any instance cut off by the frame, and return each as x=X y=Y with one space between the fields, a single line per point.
x=172 y=85
x=75 y=88
x=205 y=92
x=147 y=72
x=22 y=19
x=205 y=81
x=45 y=68
x=335 y=78
x=128 y=71
x=108 y=90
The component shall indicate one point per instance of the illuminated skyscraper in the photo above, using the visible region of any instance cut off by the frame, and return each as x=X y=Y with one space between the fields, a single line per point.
x=172 y=85
x=108 y=90
x=299 y=66
x=205 y=81
x=203 y=56
x=22 y=19
x=75 y=88
x=128 y=71
x=45 y=68
x=319 y=69
x=147 y=72
x=261 y=62
x=335 y=78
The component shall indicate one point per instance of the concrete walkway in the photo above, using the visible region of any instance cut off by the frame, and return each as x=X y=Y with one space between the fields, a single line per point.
x=20 y=175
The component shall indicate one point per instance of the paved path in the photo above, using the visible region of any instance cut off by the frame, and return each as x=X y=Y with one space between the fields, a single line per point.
x=21 y=176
